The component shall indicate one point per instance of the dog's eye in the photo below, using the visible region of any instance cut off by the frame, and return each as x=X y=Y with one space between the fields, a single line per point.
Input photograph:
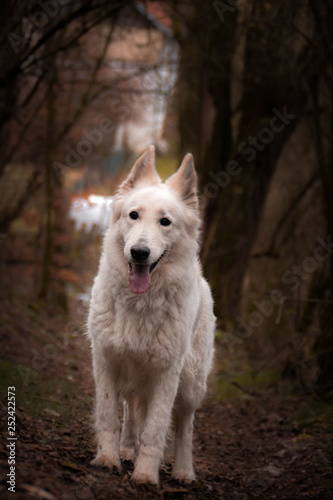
x=165 y=222
x=134 y=215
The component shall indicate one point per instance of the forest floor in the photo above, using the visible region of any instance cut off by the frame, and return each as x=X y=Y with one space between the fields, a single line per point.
x=257 y=445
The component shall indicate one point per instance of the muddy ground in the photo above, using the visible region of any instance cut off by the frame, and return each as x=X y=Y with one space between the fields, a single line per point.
x=253 y=446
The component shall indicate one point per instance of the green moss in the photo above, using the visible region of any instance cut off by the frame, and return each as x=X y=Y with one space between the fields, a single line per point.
x=39 y=394
x=315 y=414
x=242 y=385
x=14 y=375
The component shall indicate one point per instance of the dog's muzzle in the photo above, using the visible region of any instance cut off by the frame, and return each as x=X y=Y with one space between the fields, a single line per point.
x=138 y=271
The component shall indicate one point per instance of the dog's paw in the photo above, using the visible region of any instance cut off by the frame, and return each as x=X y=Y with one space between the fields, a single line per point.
x=183 y=475
x=106 y=461
x=128 y=454
x=144 y=477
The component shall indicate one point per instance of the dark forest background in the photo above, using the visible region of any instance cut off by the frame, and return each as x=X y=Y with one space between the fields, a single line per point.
x=252 y=100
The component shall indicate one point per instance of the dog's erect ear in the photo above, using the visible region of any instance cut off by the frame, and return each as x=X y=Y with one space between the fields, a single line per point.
x=143 y=170
x=185 y=182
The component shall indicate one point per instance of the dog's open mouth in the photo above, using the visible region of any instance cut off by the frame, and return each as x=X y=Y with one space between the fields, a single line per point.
x=139 y=275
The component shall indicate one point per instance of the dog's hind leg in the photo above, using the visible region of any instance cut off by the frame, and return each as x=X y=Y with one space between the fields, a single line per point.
x=128 y=441
x=169 y=449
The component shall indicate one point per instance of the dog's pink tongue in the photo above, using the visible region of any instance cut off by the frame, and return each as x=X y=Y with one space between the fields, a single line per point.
x=139 y=278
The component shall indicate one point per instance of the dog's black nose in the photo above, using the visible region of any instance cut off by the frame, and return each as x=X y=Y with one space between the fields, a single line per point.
x=140 y=253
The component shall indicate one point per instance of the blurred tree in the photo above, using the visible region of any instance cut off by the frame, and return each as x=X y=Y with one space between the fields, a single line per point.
x=250 y=73
x=319 y=79
x=213 y=65
x=59 y=94
x=49 y=77
x=29 y=29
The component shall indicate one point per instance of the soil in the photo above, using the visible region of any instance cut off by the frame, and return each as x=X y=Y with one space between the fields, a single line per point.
x=257 y=446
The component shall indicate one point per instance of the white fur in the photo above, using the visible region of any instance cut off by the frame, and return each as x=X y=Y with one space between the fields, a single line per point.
x=154 y=348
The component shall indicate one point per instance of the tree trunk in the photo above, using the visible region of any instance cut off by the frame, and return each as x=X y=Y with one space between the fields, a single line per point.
x=50 y=180
x=53 y=213
x=234 y=193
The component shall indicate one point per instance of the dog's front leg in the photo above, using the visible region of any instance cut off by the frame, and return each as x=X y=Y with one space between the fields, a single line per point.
x=107 y=423
x=153 y=437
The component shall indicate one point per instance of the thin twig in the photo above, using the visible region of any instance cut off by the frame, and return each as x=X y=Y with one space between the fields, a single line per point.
x=247 y=390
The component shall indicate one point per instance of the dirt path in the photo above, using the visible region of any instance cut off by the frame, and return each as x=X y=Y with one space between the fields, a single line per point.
x=242 y=451
x=255 y=447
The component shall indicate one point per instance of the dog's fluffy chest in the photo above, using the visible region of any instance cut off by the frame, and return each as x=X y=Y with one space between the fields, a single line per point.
x=151 y=334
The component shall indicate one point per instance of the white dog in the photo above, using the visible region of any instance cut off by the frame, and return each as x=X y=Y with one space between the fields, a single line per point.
x=151 y=323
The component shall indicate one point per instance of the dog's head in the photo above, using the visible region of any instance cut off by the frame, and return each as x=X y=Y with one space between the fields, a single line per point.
x=156 y=223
